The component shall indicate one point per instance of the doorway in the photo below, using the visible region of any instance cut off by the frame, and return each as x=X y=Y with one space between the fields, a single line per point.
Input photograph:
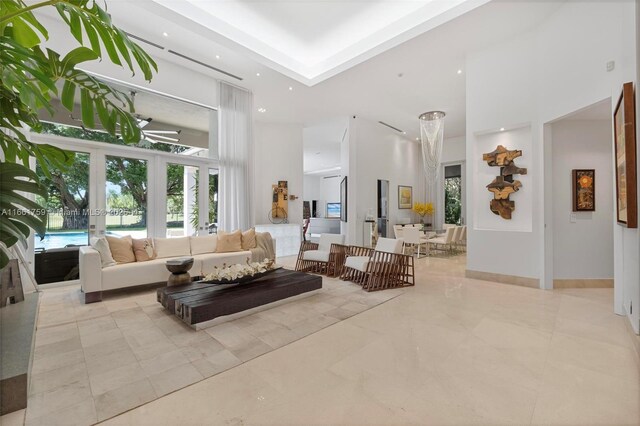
x=383 y=207
x=578 y=238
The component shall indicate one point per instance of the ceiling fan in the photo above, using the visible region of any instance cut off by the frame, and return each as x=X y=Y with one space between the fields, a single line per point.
x=154 y=136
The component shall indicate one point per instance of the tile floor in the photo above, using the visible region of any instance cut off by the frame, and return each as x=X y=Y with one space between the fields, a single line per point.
x=92 y=362
x=450 y=351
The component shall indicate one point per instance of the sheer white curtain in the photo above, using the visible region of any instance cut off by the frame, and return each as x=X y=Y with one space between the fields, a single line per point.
x=235 y=188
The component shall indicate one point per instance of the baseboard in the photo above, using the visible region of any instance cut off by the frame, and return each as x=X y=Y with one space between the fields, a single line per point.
x=635 y=339
x=503 y=279
x=583 y=283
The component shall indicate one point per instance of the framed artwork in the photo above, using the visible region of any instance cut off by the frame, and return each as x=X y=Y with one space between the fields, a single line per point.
x=343 y=199
x=624 y=126
x=333 y=210
x=583 y=185
x=405 y=197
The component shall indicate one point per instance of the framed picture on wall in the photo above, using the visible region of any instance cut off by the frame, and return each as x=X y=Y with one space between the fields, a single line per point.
x=583 y=185
x=333 y=210
x=624 y=126
x=405 y=197
x=343 y=199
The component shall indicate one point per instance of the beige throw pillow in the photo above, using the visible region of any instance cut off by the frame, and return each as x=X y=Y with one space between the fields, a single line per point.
x=101 y=245
x=121 y=249
x=143 y=249
x=249 y=239
x=229 y=242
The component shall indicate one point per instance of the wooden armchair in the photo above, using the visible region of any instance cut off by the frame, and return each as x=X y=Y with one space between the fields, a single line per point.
x=325 y=257
x=380 y=268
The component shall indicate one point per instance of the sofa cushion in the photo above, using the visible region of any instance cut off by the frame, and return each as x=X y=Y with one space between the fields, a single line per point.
x=208 y=261
x=317 y=255
x=249 y=239
x=204 y=244
x=140 y=273
x=357 y=262
x=121 y=249
x=229 y=242
x=327 y=239
x=101 y=245
x=143 y=249
x=172 y=247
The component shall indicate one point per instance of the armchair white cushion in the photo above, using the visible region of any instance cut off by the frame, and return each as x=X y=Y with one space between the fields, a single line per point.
x=357 y=262
x=327 y=239
x=316 y=255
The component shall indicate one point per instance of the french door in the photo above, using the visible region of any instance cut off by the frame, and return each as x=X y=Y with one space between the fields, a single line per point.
x=119 y=190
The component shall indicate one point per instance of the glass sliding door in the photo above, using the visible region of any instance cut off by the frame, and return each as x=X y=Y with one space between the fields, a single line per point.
x=182 y=200
x=213 y=201
x=67 y=205
x=126 y=196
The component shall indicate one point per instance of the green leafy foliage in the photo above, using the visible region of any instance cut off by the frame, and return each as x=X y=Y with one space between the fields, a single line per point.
x=30 y=77
x=452 y=200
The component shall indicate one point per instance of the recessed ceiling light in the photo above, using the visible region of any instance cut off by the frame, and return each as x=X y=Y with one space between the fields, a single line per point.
x=166 y=34
x=417 y=139
x=290 y=88
x=217 y=56
x=459 y=71
x=262 y=110
x=502 y=129
x=257 y=74
x=404 y=133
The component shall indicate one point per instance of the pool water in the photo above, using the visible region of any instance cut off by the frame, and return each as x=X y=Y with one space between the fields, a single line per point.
x=61 y=239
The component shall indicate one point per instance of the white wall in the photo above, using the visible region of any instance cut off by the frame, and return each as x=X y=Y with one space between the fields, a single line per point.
x=380 y=153
x=171 y=78
x=278 y=156
x=541 y=76
x=583 y=248
x=453 y=149
x=311 y=190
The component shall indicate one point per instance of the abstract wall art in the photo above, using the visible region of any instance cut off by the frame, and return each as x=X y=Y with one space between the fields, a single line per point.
x=504 y=185
x=405 y=197
x=583 y=185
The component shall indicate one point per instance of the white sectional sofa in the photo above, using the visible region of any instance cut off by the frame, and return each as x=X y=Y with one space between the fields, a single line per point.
x=94 y=278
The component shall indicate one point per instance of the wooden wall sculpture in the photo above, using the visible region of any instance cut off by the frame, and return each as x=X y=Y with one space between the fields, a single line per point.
x=504 y=185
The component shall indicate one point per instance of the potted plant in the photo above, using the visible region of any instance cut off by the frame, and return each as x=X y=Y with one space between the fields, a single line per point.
x=423 y=209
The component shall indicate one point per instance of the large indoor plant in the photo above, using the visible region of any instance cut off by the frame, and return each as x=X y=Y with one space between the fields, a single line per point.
x=31 y=77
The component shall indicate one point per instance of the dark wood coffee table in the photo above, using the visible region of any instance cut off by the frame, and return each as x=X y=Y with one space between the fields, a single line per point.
x=199 y=302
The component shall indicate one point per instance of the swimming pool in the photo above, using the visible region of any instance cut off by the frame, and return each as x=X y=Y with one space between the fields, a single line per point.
x=61 y=239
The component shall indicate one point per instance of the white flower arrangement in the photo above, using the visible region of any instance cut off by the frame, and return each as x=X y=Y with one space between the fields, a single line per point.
x=238 y=271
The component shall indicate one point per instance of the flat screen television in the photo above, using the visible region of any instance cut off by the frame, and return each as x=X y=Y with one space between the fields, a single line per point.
x=333 y=210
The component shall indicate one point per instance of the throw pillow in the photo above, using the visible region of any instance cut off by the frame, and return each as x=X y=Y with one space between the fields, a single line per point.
x=229 y=242
x=204 y=244
x=143 y=249
x=101 y=245
x=122 y=249
x=172 y=247
x=249 y=239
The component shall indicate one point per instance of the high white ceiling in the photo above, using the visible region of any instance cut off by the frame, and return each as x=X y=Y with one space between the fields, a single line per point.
x=322 y=142
x=312 y=40
x=394 y=86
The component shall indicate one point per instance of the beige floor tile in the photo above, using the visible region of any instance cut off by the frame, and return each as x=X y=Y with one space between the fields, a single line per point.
x=124 y=398
x=102 y=363
x=114 y=379
x=81 y=413
x=55 y=334
x=13 y=419
x=57 y=378
x=175 y=378
x=59 y=348
x=163 y=362
x=278 y=337
x=56 y=361
x=250 y=350
x=45 y=403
